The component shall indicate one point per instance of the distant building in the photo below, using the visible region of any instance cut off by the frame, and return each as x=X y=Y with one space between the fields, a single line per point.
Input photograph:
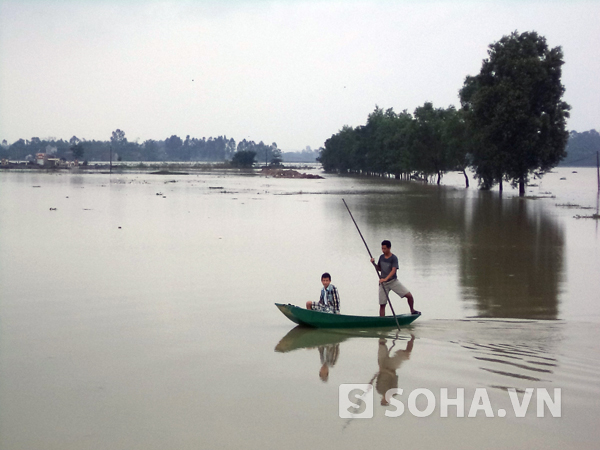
x=43 y=160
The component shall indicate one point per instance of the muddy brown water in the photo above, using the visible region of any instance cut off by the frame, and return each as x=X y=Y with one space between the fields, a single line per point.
x=138 y=313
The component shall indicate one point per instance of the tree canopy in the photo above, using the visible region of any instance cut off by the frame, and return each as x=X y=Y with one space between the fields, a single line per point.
x=78 y=150
x=514 y=107
x=425 y=144
x=243 y=158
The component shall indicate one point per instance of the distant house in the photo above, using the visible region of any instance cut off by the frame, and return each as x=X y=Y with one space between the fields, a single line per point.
x=43 y=160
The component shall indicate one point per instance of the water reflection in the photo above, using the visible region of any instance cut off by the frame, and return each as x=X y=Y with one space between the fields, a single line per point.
x=387 y=378
x=328 y=355
x=508 y=252
x=512 y=261
x=327 y=343
x=303 y=337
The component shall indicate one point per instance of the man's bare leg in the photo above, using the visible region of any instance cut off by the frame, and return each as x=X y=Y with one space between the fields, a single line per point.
x=411 y=302
x=381 y=310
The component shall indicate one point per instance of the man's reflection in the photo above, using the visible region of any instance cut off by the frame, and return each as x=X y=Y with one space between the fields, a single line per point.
x=329 y=355
x=387 y=378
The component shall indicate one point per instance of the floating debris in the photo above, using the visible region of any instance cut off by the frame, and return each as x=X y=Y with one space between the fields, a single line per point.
x=52 y=209
x=168 y=172
x=535 y=197
x=572 y=206
x=282 y=173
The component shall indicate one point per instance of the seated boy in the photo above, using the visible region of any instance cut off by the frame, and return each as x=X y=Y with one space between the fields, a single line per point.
x=330 y=299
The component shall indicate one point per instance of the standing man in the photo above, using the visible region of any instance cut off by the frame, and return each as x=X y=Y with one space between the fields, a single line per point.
x=388 y=281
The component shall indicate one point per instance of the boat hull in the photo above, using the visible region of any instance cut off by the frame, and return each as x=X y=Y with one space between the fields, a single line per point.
x=317 y=319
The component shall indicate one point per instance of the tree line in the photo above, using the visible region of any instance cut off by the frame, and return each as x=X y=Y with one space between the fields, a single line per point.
x=172 y=148
x=423 y=145
x=582 y=149
x=511 y=124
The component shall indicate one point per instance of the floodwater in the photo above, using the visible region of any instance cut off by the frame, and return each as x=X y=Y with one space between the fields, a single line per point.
x=138 y=314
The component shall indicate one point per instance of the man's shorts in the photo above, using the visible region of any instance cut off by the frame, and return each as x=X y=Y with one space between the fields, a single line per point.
x=392 y=285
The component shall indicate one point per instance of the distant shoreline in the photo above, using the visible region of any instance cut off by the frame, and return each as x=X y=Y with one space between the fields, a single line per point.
x=151 y=167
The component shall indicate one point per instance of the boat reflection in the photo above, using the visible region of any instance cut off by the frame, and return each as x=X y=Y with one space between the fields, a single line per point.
x=303 y=337
x=327 y=343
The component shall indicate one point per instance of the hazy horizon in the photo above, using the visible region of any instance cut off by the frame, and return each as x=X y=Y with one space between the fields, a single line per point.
x=290 y=72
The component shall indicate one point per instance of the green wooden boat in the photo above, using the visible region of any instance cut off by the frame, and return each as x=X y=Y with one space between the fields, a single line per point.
x=319 y=319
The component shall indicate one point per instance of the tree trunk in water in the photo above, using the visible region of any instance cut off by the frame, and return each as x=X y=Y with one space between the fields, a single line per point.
x=439 y=181
x=521 y=187
x=500 y=186
x=466 y=178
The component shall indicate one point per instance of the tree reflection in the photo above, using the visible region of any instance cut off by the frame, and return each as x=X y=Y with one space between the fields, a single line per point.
x=509 y=252
x=512 y=260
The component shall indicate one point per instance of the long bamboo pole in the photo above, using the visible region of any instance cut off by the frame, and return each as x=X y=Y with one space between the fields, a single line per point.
x=374 y=265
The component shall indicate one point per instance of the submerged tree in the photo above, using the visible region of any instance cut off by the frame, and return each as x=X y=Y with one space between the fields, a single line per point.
x=277 y=158
x=243 y=158
x=458 y=142
x=428 y=140
x=516 y=111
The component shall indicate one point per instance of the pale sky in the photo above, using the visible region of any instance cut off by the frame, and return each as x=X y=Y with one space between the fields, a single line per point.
x=290 y=72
